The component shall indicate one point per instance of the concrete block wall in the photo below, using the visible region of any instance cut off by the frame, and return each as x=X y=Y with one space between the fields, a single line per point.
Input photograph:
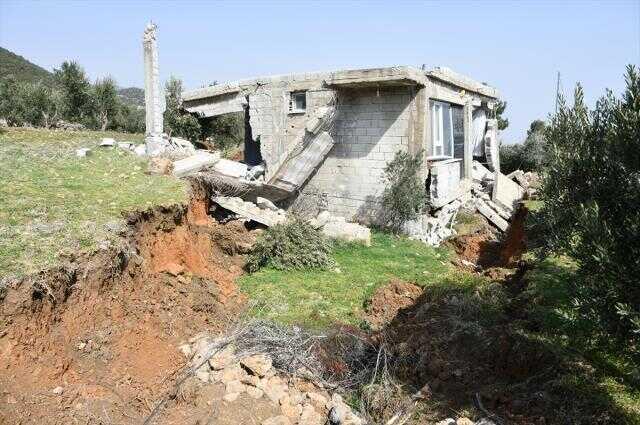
x=371 y=126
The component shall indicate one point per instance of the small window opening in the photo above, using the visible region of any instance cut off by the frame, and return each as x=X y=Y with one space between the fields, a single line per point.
x=298 y=102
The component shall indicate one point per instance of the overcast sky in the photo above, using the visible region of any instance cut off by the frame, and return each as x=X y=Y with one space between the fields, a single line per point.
x=517 y=47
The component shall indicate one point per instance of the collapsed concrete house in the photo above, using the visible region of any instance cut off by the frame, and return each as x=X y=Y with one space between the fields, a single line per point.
x=330 y=135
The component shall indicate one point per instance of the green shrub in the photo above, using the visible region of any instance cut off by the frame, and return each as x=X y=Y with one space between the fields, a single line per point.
x=528 y=156
x=178 y=123
x=591 y=206
x=292 y=245
x=404 y=195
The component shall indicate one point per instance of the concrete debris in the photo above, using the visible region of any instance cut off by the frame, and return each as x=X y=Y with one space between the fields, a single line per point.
x=230 y=168
x=107 y=142
x=480 y=173
x=529 y=181
x=250 y=210
x=338 y=228
x=484 y=208
x=126 y=145
x=140 y=150
x=58 y=390
x=506 y=192
x=194 y=163
x=434 y=228
x=253 y=376
x=255 y=172
x=266 y=204
x=82 y=152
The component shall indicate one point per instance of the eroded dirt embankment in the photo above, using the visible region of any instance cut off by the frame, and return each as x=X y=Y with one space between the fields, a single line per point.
x=104 y=327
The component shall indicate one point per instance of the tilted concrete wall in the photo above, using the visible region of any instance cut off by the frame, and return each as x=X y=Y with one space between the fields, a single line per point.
x=371 y=126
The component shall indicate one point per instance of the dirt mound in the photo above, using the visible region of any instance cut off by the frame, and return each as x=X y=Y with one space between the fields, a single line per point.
x=95 y=340
x=388 y=300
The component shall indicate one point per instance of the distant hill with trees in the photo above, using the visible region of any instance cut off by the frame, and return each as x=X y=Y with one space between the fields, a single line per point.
x=25 y=71
x=21 y=69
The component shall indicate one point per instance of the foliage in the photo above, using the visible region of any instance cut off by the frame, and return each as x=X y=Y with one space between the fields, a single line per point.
x=133 y=96
x=176 y=122
x=105 y=98
x=20 y=69
x=53 y=201
x=293 y=245
x=72 y=98
x=404 y=195
x=499 y=111
x=76 y=91
x=529 y=156
x=227 y=131
x=591 y=194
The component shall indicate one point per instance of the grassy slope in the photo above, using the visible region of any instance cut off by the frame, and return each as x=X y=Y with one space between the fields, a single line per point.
x=594 y=382
x=319 y=298
x=53 y=201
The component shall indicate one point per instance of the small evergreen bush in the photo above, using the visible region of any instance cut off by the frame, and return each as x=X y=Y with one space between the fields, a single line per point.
x=292 y=245
x=404 y=195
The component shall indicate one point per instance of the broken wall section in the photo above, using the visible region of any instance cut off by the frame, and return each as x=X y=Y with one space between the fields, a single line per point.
x=372 y=124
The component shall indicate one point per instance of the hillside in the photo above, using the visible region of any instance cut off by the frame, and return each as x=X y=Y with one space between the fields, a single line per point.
x=132 y=95
x=26 y=71
x=21 y=68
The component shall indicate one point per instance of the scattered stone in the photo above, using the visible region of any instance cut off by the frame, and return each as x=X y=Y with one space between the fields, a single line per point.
x=464 y=421
x=186 y=350
x=83 y=152
x=252 y=380
x=235 y=387
x=81 y=345
x=125 y=145
x=58 y=390
x=258 y=364
x=223 y=358
x=310 y=416
x=266 y=204
x=232 y=373
x=107 y=142
x=230 y=397
x=203 y=374
x=318 y=399
x=277 y=420
x=288 y=409
x=254 y=392
x=140 y=150
x=160 y=166
x=448 y=421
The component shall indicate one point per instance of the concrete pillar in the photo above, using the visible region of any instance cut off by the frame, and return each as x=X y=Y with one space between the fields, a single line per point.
x=153 y=95
x=468 y=137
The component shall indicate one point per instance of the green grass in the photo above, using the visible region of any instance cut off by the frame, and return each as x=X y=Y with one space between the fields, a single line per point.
x=321 y=297
x=52 y=201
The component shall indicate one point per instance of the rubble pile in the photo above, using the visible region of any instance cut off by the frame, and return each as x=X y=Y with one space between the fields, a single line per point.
x=336 y=227
x=252 y=375
x=530 y=182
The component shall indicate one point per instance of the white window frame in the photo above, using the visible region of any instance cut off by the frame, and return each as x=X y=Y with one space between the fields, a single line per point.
x=292 y=102
x=437 y=132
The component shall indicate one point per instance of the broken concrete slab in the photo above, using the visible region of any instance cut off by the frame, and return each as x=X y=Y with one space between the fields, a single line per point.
x=338 y=228
x=491 y=215
x=125 y=145
x=433 y=229
x=266 y=204
x=230 y=168
x=481 y=173
x=506 y=192
x=140 y=150
x=107 y=142
x=194 y=163
x=250 y=210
